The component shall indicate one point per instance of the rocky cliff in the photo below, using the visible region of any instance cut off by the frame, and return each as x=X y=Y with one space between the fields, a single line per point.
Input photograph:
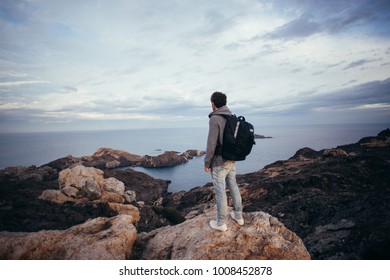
x=329 y=204
x=97 y=239
x=106 y=158
x=335 y=200
x=262 y=237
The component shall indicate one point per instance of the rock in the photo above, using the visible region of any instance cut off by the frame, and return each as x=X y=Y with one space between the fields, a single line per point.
x=145 y=187
x=110 y=197
x=305 y=153
x=334 y=153
x=82 y=183
x=115 y=158
x=114 y=185
x=130 y=196
x=384 y=134
x=126 y=209
x=97 y=239
x=190 y=154
x=163 y=160
x=381 y=141
x=106 y=158
x=22 y=210
x=57 y=196
x=70 y=192
x=262 y=237
x=314 y=192
x=329 y=237
x=31 y=173
x=149 y=219
x=92 y=189
x=196 y=201
x=169 y=158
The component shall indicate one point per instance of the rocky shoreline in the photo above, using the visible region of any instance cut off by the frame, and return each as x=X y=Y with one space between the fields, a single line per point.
x=328 y=204
x=107 y=158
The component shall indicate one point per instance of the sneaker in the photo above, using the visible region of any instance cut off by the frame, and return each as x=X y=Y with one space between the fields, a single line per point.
x=214 y=225
x=239 y=221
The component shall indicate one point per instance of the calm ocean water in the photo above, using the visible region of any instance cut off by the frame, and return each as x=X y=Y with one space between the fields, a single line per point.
x=39 y=148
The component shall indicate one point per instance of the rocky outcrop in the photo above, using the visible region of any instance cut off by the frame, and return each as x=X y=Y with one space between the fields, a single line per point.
x=31 y=198
x=103 y=158
x=82 y=184
x=97 y=239
x=168 y=159
x=30 y=173
x=106 y=158
x=87 y=185
x=335 y=200
x=262 y=237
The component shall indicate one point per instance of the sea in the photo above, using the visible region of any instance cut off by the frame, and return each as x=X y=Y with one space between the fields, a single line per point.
x=25 y=149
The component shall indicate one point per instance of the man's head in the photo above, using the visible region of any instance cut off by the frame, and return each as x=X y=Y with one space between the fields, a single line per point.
x=218 y=99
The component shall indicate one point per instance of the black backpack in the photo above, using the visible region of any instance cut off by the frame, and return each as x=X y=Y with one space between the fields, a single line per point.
x=238 y=139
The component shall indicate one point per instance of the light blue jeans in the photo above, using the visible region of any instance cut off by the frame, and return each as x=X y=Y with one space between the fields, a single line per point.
x=223 y=176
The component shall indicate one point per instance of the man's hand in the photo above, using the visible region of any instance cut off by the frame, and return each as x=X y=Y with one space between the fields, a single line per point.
x=207 y=170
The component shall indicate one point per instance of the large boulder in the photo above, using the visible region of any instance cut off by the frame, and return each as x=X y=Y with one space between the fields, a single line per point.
x=83 y=184
x=97 y=239
x=262 y=237
x=81 y=181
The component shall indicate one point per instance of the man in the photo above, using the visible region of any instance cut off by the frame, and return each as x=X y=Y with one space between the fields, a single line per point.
x=223 y=172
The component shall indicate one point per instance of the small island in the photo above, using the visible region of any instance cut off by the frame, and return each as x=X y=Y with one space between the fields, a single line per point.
x=258 y=136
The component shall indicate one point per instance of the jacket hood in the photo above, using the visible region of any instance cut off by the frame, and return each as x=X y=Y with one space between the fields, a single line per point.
x=224 y=110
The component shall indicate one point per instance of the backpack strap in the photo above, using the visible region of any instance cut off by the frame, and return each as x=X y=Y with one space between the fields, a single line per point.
x=218 y=148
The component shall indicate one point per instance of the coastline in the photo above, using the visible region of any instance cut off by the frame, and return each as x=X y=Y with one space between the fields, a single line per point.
x=332 y=194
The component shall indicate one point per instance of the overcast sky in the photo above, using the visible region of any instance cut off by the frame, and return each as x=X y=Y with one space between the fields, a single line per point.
x=80 y=65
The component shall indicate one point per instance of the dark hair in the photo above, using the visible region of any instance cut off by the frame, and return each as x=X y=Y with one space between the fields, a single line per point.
x=219 y=99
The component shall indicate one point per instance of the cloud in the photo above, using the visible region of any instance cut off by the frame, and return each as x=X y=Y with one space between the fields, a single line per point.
x=373 y=96
x=70 y=89
x=365 y=96
x=93 y=61
x=11 y=74
x=376 y=106
x=330 y=17
x=304 y=26
x=19 y=83
x=358 y=63
x=15 y=11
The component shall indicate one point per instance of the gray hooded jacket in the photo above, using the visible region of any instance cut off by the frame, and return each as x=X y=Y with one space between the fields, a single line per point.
x=216 y=126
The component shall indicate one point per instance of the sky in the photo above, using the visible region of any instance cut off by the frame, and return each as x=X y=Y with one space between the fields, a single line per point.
x=121 y=64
